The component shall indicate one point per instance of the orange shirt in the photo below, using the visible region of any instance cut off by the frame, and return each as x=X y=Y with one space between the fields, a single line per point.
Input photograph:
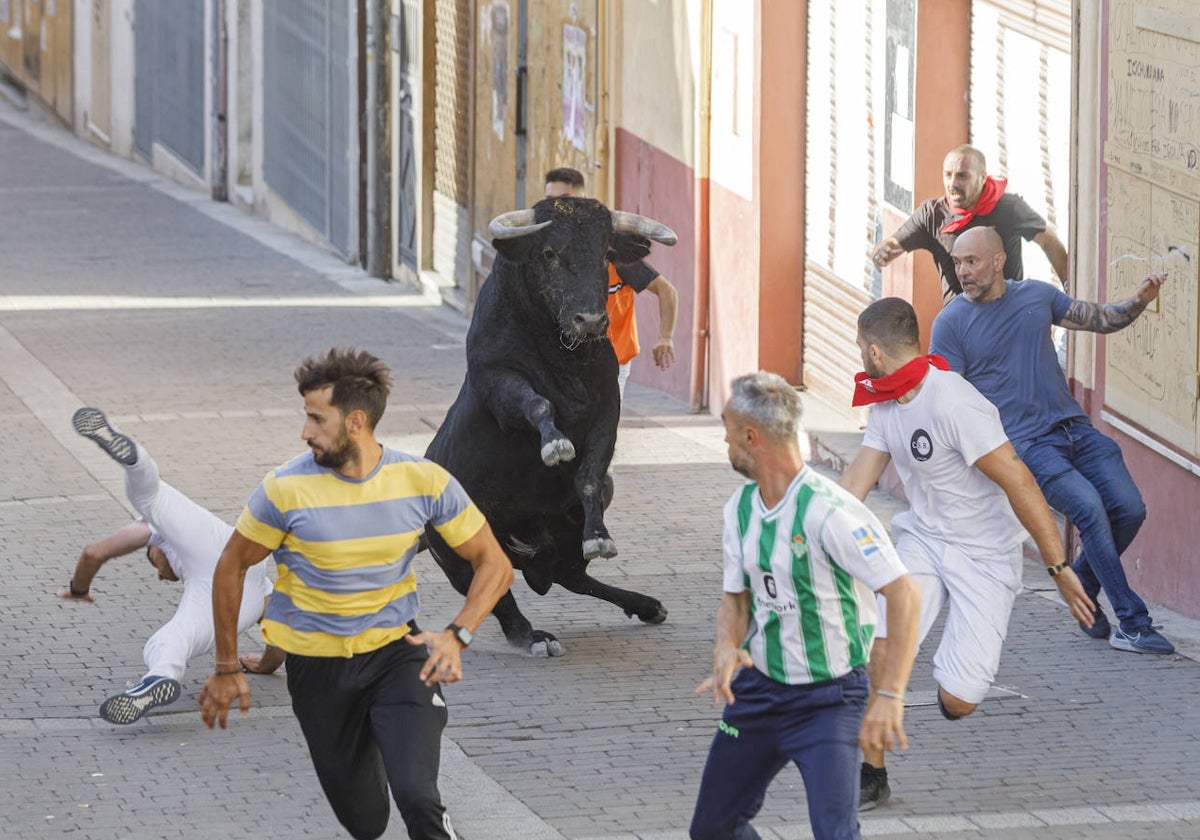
x=622 y=322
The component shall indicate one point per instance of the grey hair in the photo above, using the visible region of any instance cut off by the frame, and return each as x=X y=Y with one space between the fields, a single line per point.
x=769 y=401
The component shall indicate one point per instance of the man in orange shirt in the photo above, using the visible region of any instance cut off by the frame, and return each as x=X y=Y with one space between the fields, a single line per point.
x=625 y=281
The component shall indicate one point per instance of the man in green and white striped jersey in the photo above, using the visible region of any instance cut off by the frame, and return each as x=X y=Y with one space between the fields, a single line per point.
x=801 y=559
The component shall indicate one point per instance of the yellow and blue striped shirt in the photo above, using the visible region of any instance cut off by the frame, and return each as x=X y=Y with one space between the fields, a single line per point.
x=344 y=548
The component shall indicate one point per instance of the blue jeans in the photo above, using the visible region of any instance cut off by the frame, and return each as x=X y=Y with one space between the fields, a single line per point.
x=769 y=724
x=1083 y=477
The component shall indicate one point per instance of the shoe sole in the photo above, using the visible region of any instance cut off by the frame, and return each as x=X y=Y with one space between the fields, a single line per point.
x=93 y=425
x=1129 y=647
x=122 y=708
x=871 y=806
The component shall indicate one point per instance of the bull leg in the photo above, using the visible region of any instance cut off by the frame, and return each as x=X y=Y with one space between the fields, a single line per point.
x=593 y=483
x=576 y=579
x=515 y=404
x=516 y=627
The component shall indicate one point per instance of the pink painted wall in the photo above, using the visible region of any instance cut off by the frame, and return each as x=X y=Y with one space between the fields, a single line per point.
x=655 y=184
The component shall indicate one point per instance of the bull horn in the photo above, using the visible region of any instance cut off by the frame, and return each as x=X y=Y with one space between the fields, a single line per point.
x=640 y=225
x=513 y=224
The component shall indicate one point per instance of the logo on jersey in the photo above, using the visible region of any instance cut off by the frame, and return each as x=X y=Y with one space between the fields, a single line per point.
x=868 y=539
x=921 y=445
x=769 y=583
x=799 y=546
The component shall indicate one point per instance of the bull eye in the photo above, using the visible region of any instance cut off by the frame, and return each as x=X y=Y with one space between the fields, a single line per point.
x=548 y=254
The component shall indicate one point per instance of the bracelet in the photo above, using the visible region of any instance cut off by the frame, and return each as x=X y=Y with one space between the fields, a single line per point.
x=227 y=662
x=75 y=593
x=889 y=694
x=226 y=673
x=1058 y=568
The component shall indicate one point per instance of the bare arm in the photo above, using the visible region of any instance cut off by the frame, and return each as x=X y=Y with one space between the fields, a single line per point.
x=883 y=723
x=1056 y=252
x=1110 y=317
x=228 y=581
x=864 y=471
x=668 y=307
x=493 y=577
x=1003 y=466
x=122 y=541
x=733 y=620
x=267 y=662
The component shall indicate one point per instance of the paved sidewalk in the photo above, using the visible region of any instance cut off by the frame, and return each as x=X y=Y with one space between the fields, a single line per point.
x=183 y=319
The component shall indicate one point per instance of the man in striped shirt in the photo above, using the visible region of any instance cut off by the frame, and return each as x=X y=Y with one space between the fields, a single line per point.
x=344 y=521
x=801 y=559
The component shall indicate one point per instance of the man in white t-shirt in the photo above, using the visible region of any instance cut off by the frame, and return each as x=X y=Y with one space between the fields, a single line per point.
x=969 y=496
x=183 y=542
x=801 y=558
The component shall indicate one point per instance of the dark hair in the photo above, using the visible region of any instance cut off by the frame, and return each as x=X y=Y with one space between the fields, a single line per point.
x=890 y=324
x=565 y=175
x=359 y=379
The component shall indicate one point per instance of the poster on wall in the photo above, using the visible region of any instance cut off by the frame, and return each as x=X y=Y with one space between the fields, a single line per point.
x=499 y=29
x=574 y=65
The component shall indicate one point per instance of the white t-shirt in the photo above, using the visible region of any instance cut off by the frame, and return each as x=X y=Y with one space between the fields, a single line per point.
x=935 y=440
x=810 y=564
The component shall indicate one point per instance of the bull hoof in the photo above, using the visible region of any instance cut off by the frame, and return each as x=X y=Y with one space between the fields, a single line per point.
x=558 y=452
x=600 y=547
x=543 y=645
x=657 y=614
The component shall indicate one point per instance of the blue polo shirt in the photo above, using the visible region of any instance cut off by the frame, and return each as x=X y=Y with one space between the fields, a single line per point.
x=1004 y=348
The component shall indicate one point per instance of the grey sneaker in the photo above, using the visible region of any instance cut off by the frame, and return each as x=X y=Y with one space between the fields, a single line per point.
x=132 y=703
x=1148 y=640
x=93 y=425
x=874 y=787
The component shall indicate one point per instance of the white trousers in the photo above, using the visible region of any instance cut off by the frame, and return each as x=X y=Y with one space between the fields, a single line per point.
x=623 y=377
x=194 y=539
x=979 y=593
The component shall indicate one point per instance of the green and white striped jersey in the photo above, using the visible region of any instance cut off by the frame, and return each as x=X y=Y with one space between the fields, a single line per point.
x=811 y=565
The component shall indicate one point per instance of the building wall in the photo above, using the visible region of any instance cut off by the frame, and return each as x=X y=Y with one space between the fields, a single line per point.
x=1138 y=144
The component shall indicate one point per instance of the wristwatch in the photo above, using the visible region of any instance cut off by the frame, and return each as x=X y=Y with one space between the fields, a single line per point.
x=463 y=635
x=1058 y=568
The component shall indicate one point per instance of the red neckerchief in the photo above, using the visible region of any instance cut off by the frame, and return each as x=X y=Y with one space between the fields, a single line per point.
x=897 y=383
x=993 y=187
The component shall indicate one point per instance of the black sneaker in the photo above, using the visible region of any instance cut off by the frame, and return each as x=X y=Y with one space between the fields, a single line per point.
x=92 y=424
x=132 y=703
x=1100 y=628
x=874 y=787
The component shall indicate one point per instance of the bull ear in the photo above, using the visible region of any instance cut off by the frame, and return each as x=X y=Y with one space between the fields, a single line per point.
x=629 y=248
x=517 y=250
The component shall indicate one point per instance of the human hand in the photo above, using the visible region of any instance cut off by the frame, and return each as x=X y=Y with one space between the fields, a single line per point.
x=1071 y=589
x=664 y=353
x=267 y=662
x=68 y=595
x=726 y=663
x=883 y=725
x=1149 y=287
x=444 y=664
x=217 y=696
x=885 y=252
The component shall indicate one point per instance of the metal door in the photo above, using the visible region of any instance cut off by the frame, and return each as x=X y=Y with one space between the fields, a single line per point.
x=169 y=80
x=406 y=159
x=307 y=95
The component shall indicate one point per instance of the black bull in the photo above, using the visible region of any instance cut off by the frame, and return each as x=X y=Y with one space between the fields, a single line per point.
x=532 y=431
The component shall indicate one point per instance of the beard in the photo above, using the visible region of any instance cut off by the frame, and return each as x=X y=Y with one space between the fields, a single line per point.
x=337 y=455
x=742 y=466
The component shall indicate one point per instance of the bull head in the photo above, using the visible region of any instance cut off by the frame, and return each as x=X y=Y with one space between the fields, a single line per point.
x=563 y=246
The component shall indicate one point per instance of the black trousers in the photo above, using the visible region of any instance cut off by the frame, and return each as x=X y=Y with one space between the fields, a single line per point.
x=370 y=723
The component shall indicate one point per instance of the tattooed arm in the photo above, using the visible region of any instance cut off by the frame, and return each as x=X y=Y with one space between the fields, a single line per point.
x=1110 y=317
